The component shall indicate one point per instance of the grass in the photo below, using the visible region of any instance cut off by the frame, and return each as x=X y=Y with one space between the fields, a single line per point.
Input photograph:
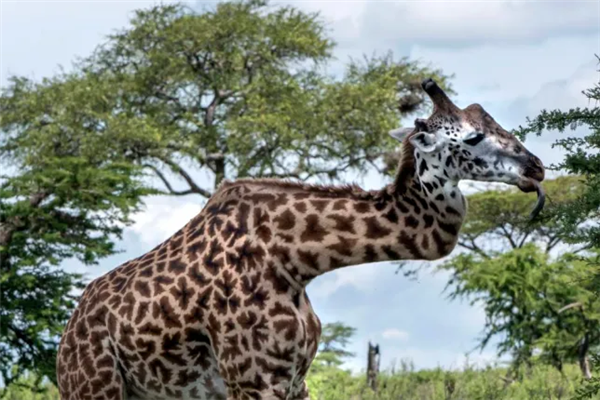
x=539 y=383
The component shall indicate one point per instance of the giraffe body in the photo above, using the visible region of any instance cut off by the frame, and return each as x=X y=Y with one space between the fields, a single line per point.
x=224 y=296
x=220 y=311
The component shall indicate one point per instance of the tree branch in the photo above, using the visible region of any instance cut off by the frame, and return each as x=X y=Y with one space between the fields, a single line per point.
x=569 y=306
x=473 y=247
x=508 y=236
x=23 y=338
x=193 y=187
x=523 y=239
x=554 y=240
x=219 y=96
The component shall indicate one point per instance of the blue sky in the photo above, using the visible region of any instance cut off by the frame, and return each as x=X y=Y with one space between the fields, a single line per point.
x=513 y=57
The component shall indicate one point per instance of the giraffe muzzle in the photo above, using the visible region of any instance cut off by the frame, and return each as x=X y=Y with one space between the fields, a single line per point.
x=534 y=168
x=533 y=175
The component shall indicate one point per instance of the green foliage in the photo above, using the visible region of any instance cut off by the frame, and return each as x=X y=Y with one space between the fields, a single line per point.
x=21 y=389
x=579 y=217
x=335 y=337
x=538 y=383
x=590 y=387
x=582 y=158
x=523 y=289
x=240 y=90
x=523 y=294
x=64 y=193
x=330 y=382
x=501 y=217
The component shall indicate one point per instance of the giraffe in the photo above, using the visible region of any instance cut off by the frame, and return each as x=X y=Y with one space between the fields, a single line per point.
x=219 y=310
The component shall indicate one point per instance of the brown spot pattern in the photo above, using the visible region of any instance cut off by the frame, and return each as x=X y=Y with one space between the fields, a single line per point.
x=223 y=298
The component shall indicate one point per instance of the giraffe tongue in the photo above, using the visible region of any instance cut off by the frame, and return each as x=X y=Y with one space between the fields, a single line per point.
x=529 y=185
x=541 y=199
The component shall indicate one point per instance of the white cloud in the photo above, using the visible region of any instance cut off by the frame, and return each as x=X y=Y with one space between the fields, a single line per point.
x=454 y=23
x=396 y=334
x=565 y=93
x=562 y=94
x=361 y=277
x=333 y=10
x=37 y=37
x=508 y=72
x=163 y=217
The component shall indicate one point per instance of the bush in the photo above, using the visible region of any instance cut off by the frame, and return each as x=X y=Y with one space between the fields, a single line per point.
x=491 y=383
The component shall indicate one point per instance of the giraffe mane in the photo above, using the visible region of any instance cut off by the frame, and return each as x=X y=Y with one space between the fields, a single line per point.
x=406 y=167
x=405 y=172
x=331 y=191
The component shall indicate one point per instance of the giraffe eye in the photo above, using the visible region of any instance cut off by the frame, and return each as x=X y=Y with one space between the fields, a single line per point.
x=473 y=141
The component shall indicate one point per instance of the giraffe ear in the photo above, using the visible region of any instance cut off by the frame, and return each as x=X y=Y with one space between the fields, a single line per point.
x=400 y=133
x=424 y=142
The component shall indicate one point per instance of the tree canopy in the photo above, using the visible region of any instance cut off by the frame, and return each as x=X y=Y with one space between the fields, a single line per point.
x=497 y=219
x=335 y=337
x=579 y=217
x=62 y=195
x=241 y=90
x=238 y=90
x=582 y=158
x=527 y=276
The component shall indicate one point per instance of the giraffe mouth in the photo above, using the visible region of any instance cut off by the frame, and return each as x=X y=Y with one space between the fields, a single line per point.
x=529 y=185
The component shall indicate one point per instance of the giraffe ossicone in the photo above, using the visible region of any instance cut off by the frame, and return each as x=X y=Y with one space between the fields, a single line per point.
x=219 y=310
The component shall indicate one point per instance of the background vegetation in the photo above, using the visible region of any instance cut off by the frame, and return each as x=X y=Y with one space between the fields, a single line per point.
x=241 y=90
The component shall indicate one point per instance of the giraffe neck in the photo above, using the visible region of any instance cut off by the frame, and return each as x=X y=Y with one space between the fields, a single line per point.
x=417 y=219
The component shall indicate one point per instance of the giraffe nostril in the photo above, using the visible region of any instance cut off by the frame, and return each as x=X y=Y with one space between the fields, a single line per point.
x=537 y=162
x=536 y=169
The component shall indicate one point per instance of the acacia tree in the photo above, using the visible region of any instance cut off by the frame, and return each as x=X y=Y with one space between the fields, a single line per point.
x=240 y=90
x=511 y=268
x=335 y=337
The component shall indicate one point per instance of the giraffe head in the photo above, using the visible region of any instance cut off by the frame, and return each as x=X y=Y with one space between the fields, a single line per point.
x=467 y=143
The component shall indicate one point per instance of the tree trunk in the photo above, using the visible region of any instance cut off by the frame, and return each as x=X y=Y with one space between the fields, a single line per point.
x=219 y=170
x=373 y=358
x=584 y=362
